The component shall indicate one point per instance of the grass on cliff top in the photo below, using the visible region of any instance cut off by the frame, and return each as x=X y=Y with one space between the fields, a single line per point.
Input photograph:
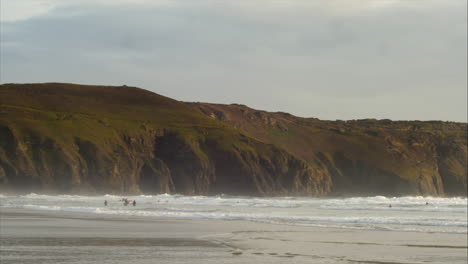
x=102 y=114
x=122 y=102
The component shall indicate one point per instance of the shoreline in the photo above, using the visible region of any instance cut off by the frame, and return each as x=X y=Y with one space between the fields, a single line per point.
x=8 y=192
x=114 y=216
x=170 y=240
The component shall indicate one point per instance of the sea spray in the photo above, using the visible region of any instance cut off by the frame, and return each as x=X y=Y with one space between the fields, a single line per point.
x=418 y=214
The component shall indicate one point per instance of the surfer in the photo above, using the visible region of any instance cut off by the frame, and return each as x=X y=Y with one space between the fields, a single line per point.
x=105 y=203
x=389 y=206
x=427 y=203
x=134 y=203
x=125 y=202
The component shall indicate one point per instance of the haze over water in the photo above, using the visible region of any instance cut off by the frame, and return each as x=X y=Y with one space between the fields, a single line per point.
x=439 y=215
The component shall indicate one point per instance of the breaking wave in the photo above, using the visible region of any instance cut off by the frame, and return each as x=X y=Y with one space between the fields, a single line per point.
x=418 y=214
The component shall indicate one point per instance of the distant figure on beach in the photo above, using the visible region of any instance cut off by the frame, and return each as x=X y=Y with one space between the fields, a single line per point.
x=105 y=203
x=134 y=203
x=389 y=206
x=427 y=203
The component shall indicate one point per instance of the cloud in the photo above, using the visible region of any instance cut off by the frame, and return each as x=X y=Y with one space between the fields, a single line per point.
x=16 y=10
x=329 y=59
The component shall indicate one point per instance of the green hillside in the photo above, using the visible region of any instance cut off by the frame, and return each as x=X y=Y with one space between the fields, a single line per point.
x=363 y=157
x=66 y=137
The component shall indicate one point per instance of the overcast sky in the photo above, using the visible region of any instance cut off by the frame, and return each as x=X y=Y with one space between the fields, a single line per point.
x=331 y=59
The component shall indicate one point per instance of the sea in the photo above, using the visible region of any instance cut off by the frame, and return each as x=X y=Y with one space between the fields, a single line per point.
x=400 y=214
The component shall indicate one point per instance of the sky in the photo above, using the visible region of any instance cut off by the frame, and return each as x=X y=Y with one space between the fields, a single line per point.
x=329 y=59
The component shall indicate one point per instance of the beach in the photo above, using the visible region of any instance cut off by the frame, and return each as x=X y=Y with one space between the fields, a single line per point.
x=74 y=237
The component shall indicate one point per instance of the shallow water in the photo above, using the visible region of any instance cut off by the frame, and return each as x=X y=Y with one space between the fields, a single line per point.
x=440 y=215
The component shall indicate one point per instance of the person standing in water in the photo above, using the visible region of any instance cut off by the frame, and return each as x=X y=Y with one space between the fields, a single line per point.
x=105 y=203
x=134 y=203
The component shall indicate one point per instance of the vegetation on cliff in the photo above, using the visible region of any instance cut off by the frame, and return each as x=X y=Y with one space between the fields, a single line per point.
x=118 y=139
x=76 y=138
x=363 y=157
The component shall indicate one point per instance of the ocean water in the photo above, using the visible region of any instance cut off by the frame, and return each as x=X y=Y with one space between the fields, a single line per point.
x=411 y=214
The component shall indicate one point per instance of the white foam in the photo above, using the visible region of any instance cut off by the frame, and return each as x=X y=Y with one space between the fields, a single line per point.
x=406 y=213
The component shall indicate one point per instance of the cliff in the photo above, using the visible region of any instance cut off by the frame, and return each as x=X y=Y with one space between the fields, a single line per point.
x=67 y=138
x=363 y=157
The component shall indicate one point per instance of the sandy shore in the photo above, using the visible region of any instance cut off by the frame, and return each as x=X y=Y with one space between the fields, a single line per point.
x=29 y=236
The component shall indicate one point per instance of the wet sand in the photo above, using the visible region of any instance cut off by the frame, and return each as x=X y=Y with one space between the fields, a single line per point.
x=28 y=236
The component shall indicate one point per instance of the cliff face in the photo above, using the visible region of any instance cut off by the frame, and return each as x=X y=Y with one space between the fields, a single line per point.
x=101 y=139
x=95 y=139
x=363 y=157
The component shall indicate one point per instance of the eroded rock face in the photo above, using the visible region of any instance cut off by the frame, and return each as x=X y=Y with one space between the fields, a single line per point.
x=451 y=164
x=364 y=157
x=87 y=139
x=151 y=164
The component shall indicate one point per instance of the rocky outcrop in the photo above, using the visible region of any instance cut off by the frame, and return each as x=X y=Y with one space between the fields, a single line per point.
x=364 y=157
x=88 y=139
x=152 y=163
x=69 y=138
x=451 y=158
